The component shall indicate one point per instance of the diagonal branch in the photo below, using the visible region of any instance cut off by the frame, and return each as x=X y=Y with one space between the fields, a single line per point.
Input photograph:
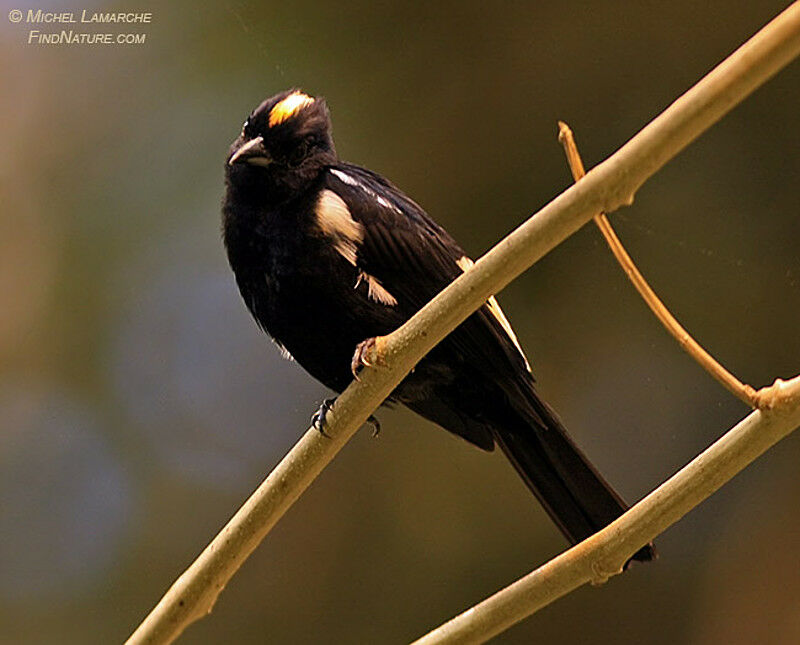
x=604 y=554
x=745 y=392
x=605 y=188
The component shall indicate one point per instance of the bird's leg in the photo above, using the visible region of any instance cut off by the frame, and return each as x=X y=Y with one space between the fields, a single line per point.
x=368 y=354
x=318 y=418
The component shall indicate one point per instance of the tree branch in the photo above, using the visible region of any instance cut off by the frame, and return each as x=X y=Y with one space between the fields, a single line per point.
x=603 y=555
x=744 y=392
x=606 y=187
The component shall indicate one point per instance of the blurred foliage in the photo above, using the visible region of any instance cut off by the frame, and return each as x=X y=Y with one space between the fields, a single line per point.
x=139 y=405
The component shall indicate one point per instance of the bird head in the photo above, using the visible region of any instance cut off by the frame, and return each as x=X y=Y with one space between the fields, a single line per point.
x=287 y=132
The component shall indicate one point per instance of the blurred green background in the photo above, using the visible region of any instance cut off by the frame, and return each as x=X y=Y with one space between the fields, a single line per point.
x=139 y=405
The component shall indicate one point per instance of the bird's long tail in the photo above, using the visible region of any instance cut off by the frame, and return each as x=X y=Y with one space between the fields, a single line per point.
x=573 y=493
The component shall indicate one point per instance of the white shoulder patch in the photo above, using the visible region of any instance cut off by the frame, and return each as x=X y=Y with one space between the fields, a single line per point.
x=465 y=263
x=335 y=221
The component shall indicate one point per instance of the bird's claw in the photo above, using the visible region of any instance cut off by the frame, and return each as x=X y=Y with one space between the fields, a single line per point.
x=318 y=418
x=367 y=354
x=376 y=425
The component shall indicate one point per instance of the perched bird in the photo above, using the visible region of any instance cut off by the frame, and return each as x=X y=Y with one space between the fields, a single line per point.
x=327 y=254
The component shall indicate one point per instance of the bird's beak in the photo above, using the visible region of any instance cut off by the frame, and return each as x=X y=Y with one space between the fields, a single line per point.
x=252 y=152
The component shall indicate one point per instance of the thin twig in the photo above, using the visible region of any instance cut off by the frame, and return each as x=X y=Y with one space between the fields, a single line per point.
x=745 y=392
x=608 y=186
x=604 y=554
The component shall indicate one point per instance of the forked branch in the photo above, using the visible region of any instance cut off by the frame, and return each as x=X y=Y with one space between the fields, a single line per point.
x=605 y=188
x=745 y=392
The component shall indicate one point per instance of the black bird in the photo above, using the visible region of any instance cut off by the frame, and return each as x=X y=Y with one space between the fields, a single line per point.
x=328 y=254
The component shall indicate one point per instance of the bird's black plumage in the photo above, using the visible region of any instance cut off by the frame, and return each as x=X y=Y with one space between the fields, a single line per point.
x=327 y=254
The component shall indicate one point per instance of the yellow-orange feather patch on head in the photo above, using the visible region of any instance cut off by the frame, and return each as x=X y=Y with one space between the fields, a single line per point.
x=288 y=107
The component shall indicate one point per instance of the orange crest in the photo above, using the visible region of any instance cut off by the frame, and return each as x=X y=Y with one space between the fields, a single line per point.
x=288 y=107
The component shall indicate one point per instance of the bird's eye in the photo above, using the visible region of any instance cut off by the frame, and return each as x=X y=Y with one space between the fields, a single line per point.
x=245 y=125
x=301 y=151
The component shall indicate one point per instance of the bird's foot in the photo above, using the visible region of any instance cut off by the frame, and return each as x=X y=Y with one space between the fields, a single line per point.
x=369 y=353
x=318 y=418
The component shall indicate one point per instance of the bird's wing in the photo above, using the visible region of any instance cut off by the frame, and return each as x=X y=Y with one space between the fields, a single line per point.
x=413 y=259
